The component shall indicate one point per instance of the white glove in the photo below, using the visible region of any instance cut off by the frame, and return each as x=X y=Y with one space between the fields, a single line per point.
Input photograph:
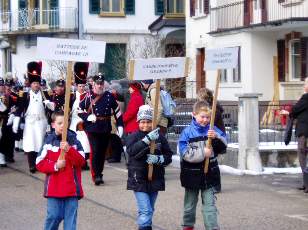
x=120 y=131
x=15 y=124
x=50 y=105
x=91 y=118
x=2 y=107
x=10 y=119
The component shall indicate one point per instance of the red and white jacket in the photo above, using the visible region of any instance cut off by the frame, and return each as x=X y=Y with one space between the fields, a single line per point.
x=65 y=182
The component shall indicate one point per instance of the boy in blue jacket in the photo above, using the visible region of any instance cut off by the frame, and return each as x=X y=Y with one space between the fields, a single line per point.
x=193 y=151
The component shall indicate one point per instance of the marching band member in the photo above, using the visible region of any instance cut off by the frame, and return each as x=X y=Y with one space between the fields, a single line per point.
x=34 y=104
x=80 y=73
x=98 y=107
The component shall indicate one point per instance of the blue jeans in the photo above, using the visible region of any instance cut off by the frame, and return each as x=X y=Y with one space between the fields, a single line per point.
x=145 y=203
x=59 y=209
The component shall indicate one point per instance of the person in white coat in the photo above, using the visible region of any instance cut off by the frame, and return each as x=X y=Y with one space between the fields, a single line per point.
x=34 y=105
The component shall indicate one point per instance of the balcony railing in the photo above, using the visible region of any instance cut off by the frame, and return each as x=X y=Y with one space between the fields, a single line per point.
x=241 y=15
x=33 y=20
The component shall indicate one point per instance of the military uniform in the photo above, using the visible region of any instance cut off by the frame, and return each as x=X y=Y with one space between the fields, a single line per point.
x=7 y=141
x=80 y=73
x=97 y=112
x=34 y=105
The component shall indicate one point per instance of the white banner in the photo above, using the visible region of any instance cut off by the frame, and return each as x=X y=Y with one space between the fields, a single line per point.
x=71 y=50
x=226 y=58
x=158 y=68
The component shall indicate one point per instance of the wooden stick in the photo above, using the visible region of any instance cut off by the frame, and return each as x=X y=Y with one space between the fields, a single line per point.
x=154 y=125
x=66 y=105
x=209 y=140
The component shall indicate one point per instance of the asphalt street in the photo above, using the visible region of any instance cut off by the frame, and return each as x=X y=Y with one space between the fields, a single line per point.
x=246 y=202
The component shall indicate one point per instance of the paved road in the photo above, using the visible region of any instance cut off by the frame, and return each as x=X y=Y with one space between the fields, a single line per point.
x=247 y=202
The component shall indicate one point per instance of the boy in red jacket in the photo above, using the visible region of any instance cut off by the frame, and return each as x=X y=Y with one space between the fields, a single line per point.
x=63 y=177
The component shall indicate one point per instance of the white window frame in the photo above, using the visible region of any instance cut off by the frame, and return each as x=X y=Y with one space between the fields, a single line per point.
x=110 y=12
x=291 y=62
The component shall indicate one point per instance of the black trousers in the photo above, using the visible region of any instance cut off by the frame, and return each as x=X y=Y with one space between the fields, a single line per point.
x=116 y=146
x=31 y=159
x=7 y=142
x=99 y=143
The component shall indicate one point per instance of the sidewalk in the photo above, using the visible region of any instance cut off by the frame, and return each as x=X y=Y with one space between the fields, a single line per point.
x=247 y=202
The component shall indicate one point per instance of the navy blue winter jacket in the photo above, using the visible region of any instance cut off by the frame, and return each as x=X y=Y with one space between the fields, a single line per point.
x=192 y=174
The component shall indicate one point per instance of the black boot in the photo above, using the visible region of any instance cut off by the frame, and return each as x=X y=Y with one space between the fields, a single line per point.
x=31 y=161
x=98 y=180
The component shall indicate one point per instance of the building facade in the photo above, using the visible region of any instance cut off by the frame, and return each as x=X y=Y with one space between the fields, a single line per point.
x=123 y=24
x=272 y=40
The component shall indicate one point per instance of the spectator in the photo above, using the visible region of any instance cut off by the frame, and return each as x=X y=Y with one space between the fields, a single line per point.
x=130 y=115
x=300 y=113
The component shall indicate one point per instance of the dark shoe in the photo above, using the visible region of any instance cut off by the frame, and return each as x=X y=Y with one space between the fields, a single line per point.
x=3 y=165
x=301 y=187
x=32 y=170
x=112 y=160
x=145 y=228
x=98 y=180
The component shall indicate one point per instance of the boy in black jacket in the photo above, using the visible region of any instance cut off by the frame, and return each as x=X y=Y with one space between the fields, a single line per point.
x=139 y=158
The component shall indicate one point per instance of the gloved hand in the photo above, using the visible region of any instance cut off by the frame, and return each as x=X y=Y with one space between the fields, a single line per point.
x=91 y=118
x=161 y=159
x=50 y=105
x=152 y=159
x=2 y=106
x=15 y=124
x=120 y=131
x=10 y=119
x=151 y=136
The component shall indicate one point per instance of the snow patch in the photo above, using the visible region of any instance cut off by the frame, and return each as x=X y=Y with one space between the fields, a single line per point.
x=225 y=169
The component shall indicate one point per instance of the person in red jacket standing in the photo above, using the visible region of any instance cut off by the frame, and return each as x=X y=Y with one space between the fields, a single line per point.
x=63 y=186
x=130 y=115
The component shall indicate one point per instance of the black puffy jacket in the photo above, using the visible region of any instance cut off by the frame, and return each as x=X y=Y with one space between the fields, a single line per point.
x=138 y=167
x=300 y=113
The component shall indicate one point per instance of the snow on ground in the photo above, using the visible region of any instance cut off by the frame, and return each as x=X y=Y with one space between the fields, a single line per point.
x=224 y=169
x=267 y=146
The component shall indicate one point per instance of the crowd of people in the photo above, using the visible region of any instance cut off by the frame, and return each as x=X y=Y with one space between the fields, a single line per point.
x=98 y=124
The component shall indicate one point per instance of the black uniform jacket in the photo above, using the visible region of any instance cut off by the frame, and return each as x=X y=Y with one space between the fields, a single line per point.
x=103 y=109
x=138 y=167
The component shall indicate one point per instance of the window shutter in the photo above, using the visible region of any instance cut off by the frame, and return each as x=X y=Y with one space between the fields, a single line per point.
x=206 y=6
x=246 y=13
x=264 y=11
x=22 y=4
x=53 y=4
x=192 y=7
x=130 y=7
x=94 y=6
x=281 y=59
x=159 y=7
x=304 y=62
